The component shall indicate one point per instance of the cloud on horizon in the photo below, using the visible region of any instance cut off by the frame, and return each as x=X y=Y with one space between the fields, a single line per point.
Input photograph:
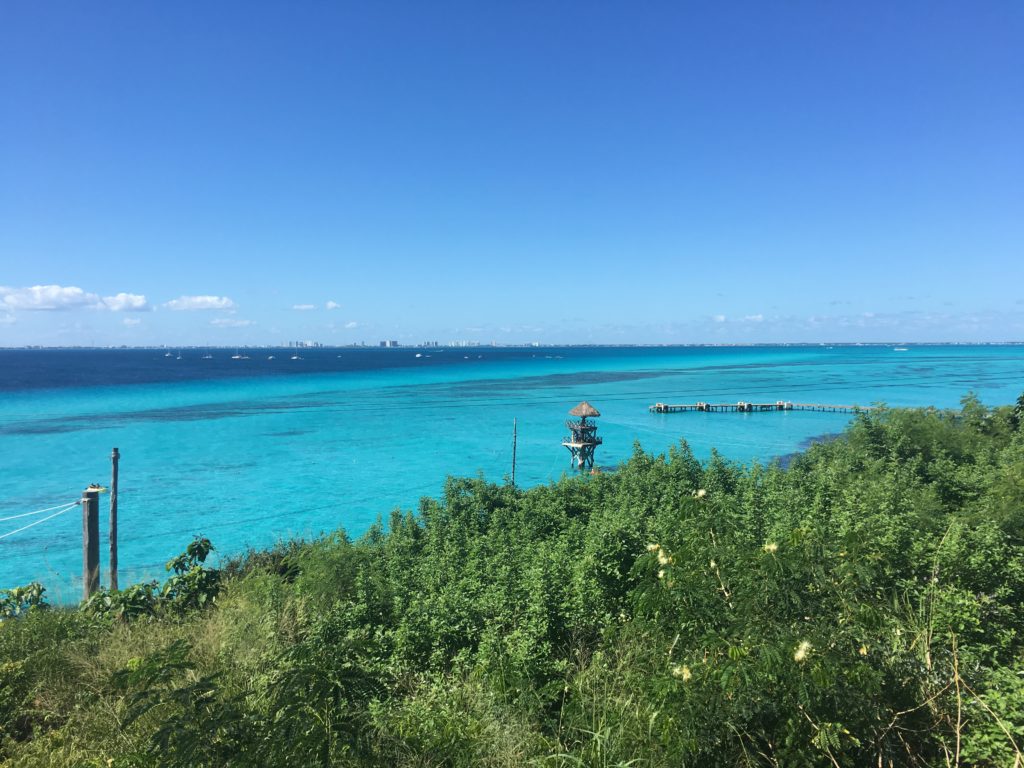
x=870 y=326
x=332 y=305
x=200 y=303
x=303 y=307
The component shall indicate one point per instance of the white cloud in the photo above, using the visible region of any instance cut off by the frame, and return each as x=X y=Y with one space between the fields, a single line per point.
x=6 y=319
x=304 y=307
x=47 y=297
x=754 y=318
x=332 y=305
x=190 y=303
x=351 y=324
x=130 y=321
x=126 y=302
x=230 y=322
x=58 y=297
x=719 y=318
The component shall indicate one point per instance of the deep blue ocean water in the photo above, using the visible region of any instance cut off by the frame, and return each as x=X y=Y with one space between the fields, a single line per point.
x=251 y=451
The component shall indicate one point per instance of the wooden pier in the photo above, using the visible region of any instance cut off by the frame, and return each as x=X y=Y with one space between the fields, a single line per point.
x=744 y=407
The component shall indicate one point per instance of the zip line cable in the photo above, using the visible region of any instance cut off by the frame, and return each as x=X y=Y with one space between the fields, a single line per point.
x=37 y=512
x=273 y=515
x=68 y=508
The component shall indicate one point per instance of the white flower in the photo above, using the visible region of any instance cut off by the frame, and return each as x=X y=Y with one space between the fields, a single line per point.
x=700 y=493
x=802 y=651
x=771 y=547
x=682 y=671
x=663 y=558
x=653 y=547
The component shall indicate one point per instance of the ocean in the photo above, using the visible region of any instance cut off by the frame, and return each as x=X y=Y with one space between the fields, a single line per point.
x=252 y=451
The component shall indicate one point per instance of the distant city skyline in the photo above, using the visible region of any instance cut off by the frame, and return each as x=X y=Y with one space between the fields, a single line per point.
x=253 y=173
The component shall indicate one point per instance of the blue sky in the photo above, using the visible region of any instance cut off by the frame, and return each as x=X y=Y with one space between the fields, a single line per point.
x=254 y=172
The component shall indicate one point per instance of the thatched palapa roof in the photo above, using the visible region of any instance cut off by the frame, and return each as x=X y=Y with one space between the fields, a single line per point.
x=585 y=409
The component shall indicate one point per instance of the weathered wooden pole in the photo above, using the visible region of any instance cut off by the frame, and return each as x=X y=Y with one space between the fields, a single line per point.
x=90 y=541
x=115 y=456
x=513 y=452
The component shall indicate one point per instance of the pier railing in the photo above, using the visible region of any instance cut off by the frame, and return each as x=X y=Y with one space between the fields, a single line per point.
x=745 y=407
x=578 y=439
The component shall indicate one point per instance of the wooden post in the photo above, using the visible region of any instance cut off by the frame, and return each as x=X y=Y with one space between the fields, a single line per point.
x=513 y=452
x=115 y=456
x=90 y=542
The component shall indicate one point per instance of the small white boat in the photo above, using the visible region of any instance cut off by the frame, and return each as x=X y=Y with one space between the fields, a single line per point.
x=270 y=357
x=296 y=357
x=419 y=354
x=168 y=354
x=899 y=349
x=207 y=357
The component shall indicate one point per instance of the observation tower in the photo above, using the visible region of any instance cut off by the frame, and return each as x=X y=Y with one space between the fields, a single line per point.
x=583 y=437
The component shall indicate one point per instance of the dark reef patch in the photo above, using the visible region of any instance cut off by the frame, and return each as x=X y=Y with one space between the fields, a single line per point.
x=788 y=458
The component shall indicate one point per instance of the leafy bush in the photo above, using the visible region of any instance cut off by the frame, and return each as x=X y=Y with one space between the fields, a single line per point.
x=15 y=602
x=192 y=586
x=126 y=604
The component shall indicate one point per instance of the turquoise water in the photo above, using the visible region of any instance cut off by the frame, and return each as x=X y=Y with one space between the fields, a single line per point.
x=250 y=452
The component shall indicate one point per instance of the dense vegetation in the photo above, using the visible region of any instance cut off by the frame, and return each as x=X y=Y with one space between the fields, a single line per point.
x=861 y=607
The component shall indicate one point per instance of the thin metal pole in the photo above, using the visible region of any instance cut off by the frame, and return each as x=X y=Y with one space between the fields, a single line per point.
x=115 y=456
x=514 y=435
